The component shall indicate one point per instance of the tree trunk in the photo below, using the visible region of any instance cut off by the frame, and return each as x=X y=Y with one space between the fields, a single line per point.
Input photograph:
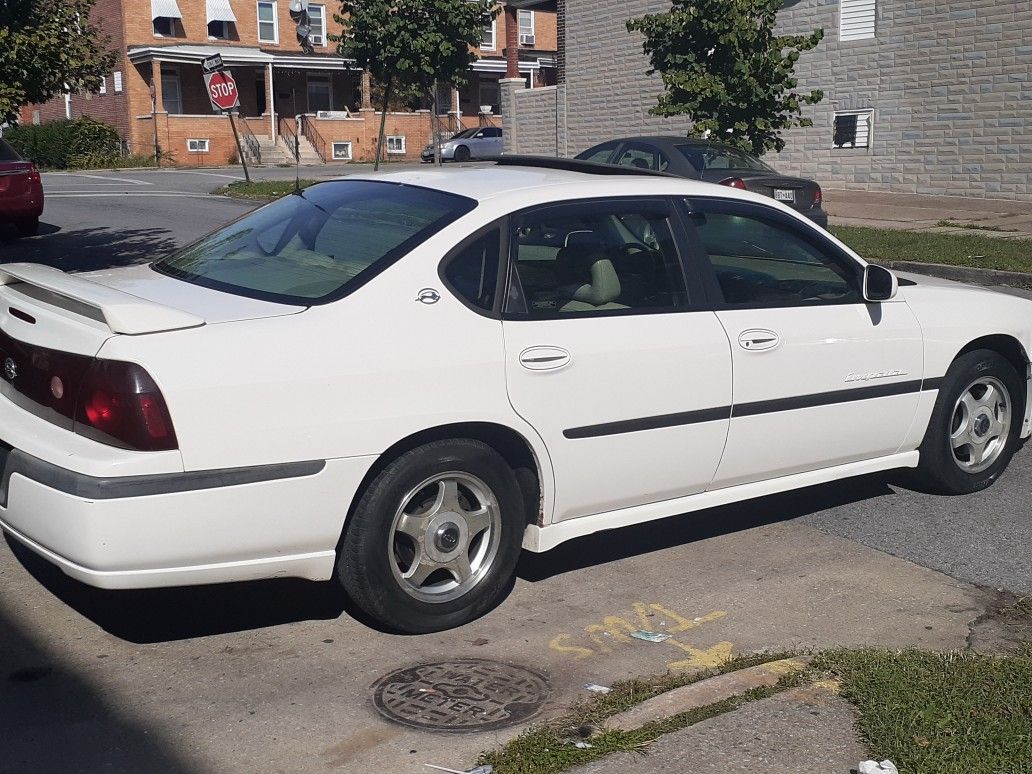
x=383 y=121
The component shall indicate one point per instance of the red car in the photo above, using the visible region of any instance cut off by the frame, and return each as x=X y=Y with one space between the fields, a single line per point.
x=21 y=191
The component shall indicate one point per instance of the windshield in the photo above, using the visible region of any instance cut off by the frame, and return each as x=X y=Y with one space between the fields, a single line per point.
x=703 y=158
x=7 y=153
x=318 y=245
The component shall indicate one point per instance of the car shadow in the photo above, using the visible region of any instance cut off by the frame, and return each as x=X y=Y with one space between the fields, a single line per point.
x=86 y=249
x=164 y=615
x=613 y=545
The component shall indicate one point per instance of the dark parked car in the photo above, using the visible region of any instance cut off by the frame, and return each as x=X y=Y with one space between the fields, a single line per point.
x=713 y=163
x=21 y=191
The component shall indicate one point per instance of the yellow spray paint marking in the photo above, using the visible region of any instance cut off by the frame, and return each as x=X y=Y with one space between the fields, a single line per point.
x=615 y=630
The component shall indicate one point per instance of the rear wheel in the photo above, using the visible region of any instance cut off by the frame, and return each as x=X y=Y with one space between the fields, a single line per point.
x=462 y=153
x=975 y=424
x=434 y=539
x=26 y=227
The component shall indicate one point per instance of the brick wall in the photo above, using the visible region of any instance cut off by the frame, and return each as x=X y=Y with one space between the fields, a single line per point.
x=948 y=83
x=363 y=131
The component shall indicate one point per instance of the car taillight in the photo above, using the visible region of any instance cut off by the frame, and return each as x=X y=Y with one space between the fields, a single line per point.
x=818 y=197
x=734 y=182
x=33 y=174
x=119 y=404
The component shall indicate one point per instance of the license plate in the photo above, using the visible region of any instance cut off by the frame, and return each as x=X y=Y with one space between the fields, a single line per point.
x=784 y=195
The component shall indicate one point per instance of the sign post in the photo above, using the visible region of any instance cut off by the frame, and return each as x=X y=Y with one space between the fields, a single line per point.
x=224 y=96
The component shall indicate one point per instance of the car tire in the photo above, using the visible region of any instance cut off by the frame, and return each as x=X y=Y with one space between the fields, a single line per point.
x=975 y=424
x=401 y=557
x=26 y=227
x=462 y=153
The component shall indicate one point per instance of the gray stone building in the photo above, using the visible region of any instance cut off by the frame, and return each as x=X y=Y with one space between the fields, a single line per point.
x=921 y=96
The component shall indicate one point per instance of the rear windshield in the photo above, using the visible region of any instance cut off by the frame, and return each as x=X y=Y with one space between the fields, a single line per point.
x=703 y=158
x=7 y=153
x=317 y=245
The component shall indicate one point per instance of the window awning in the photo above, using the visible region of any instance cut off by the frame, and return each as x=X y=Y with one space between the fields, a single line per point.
x=219 y=10
x=167 y=8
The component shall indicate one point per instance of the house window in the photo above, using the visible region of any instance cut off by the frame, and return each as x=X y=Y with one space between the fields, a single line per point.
x=853 y=130
x=857 y=19
x=490 y=96
x=488 y=42
x=527 y=28
x=197 y=146
x=320 y=93
x=103 y=85
x=396 y=144
x=342 y=151
x=317 y=21
x=268 y=24
x=118 y=81
x=219 y=30
x=164 y=26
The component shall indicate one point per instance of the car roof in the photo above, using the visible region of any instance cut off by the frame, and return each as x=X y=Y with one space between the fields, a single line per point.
x=525 y=184
x=672 y=139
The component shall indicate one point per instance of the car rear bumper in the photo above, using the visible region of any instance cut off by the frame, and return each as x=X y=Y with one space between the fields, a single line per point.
x=184 y=528
x=817 y=215
x=28 y=205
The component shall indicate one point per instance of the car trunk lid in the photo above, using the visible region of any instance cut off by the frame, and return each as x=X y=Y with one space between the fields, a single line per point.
x=796 y=192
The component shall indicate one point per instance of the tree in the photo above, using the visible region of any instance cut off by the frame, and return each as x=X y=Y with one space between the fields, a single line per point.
x=47 y=48
x=723 y=66
x=412 y=44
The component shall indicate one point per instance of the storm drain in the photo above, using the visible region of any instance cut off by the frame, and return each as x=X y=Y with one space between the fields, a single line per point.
x=463 y=695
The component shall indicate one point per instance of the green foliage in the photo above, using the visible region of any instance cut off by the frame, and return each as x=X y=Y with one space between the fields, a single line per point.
x=45 y=46
x=80 y=143
x=723 y=66
x=413 y=43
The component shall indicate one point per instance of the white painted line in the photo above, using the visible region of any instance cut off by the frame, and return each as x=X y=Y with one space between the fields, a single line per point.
x=102 y=177
x=155 y=194
x=209 y=174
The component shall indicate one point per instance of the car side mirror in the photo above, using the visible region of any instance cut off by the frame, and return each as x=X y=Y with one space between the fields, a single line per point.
x=880 y=284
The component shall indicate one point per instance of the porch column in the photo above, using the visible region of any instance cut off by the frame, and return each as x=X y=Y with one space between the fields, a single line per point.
x=456 y=109
x=367 y=91
x=512 y=42
x=159 y=102
x=270 y=100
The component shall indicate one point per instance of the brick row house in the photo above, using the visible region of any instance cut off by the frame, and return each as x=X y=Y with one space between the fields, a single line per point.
x=157 y=98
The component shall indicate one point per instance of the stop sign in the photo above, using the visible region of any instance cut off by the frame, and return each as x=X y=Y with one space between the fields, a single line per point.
x=222 y=90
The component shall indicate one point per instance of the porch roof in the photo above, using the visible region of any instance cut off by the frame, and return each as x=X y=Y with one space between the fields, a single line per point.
x=236 y=55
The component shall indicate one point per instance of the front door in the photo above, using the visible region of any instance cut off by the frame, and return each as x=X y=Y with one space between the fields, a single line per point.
x=612 y=357
x=821 y=378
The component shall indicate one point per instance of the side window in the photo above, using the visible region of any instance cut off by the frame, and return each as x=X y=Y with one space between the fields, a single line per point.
x=643 y=157
x=596 y=257
x=760 y=262
x=599 y=154
x=472 y=272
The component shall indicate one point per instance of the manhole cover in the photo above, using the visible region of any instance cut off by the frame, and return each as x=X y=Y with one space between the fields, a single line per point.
x=468 y=694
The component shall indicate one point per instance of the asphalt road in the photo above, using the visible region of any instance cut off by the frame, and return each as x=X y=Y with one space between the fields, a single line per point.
x=277 y=675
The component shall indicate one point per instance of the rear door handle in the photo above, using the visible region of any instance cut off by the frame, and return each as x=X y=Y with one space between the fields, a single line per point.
x=544 y=358
x=758 y=339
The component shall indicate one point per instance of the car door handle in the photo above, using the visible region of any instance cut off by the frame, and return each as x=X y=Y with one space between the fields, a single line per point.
x=758 y=339
x=544 y=358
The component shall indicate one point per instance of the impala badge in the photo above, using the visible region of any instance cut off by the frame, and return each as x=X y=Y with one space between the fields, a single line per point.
x=10 y=369
x=428 y=296
x=874 y=375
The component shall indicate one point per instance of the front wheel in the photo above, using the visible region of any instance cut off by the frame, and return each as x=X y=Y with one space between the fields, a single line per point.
x=462 y=153
x=434 y=540
x=975 y=424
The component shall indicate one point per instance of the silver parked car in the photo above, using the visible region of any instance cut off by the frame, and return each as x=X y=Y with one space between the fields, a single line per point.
x=476 y=143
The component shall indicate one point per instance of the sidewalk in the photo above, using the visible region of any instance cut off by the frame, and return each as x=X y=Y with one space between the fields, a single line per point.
x=1001 y=218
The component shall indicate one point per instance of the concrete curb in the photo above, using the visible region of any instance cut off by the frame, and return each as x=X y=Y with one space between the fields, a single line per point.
x=967 y=274
x=704 y=693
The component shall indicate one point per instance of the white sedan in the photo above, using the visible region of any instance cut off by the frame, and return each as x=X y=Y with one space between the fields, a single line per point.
x=398 y=381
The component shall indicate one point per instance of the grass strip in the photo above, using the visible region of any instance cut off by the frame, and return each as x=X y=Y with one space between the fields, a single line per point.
x=941 y=713
x=260 y=189
x=975 y=250
x=546 y=748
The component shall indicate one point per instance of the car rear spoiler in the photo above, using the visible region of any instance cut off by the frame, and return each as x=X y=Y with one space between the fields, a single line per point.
x=121 y=311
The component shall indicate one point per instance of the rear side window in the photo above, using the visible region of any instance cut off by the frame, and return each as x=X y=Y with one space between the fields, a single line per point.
x=472 y=272
x=573 y=261
x=7 y=153
x=599 y=154
x=643 y=157
x=319 y=244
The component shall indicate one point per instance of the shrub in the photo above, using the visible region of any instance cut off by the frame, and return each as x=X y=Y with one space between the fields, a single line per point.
x=64 y=143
